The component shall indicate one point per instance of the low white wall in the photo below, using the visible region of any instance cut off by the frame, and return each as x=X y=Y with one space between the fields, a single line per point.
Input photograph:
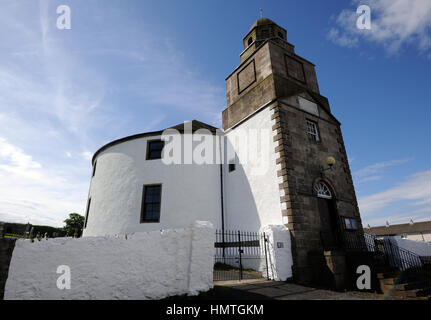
x=280 y=259
x=421 y=248
x=147 y=265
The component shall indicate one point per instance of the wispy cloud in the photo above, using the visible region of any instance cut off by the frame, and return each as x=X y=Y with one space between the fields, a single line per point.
x=87 y=155
x=375 y=171
x=375 y=168
x=63 y=94
x=341 y=38
x=31 y=193
x=370 y=178
x=394 y=23
x=408 y=199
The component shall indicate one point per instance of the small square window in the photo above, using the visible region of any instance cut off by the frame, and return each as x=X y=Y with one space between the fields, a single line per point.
x=351 y=224
x=154 y=149
x=87 y=212
x=151 y=202
x=232 y=165
x=94 y=168
x=312 y=131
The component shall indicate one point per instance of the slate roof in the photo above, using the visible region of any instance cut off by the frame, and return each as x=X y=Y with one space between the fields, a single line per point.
x=398 y=229
x=196 y=125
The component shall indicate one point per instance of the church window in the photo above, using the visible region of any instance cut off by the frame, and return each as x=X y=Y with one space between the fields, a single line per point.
x=154 y=149
x=312 y=131
x=94 y=168
x=232 y=165
x=322 y=190
x=351 y=224
x=250 y=41
x=151 y=201
x=87 y=212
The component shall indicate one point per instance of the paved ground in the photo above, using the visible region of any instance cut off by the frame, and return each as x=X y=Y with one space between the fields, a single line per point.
x=273 y=290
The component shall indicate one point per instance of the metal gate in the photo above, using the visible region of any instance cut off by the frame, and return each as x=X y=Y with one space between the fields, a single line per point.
x=240 y=255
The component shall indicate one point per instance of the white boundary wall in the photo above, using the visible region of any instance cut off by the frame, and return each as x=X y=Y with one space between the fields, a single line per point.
x=146 y=265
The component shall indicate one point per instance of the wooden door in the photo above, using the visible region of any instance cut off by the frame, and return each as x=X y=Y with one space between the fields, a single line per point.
x=328 y=223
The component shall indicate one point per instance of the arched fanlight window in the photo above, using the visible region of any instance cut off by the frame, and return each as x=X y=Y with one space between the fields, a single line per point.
x=322 y=190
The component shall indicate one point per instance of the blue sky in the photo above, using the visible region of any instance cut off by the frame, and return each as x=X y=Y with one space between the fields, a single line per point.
x=133 y=66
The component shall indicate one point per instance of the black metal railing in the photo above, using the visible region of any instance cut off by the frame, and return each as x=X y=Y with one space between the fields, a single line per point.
x=240 y=255
x=384 y=247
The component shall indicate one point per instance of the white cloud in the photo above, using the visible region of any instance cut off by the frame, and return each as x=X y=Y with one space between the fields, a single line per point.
x=374 y=168
x=409 y=199
x=371 y=178
x=87 y=155
x=394 y=23
x=16 y=157
x=373 y=172
x=342 y=39
x=61 y=90
x=33 y=194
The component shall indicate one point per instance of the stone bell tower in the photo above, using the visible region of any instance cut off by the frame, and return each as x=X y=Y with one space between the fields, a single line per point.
x=318 y=201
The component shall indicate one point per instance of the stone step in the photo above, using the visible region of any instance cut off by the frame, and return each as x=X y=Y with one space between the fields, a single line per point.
x=424 y=292
x=414 y=290
x=405 y=285
x=388 y=274
x=421 y=284
x=391 y=281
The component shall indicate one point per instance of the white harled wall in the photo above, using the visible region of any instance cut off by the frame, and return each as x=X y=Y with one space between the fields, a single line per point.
x=251 y=192
x=189 y=192
x=145 y=265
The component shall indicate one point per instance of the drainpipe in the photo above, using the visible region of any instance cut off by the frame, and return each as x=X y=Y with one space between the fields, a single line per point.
x=221 y=190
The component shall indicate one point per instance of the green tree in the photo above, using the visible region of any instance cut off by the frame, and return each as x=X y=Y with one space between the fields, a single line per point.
x=75 y=221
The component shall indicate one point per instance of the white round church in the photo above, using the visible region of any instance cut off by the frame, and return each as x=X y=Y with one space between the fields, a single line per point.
x=132 y=190
x=276 y=113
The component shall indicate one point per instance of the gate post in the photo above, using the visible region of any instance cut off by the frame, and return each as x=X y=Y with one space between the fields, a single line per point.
x=279 y=252
x=240 y=256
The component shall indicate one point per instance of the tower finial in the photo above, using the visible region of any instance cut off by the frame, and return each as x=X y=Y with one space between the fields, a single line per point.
x=261 y=13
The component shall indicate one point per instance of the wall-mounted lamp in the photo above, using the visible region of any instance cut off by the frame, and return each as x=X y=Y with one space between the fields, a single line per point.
x=330 y=161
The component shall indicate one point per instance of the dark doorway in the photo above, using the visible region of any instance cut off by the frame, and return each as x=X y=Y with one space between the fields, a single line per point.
x=328 y=221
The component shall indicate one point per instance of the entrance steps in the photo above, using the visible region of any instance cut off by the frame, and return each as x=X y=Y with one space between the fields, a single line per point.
x=406 y=285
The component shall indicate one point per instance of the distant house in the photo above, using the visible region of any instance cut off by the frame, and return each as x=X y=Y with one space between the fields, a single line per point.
x=416 y=231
